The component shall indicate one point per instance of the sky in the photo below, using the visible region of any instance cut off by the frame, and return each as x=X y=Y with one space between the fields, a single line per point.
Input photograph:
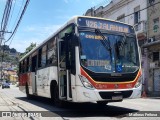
x=42 y=18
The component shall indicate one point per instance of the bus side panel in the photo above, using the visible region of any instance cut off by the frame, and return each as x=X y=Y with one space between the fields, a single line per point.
x=44 y=78
x=23 y=80
x=53 y=75
x=73 y=90
x=32 y=88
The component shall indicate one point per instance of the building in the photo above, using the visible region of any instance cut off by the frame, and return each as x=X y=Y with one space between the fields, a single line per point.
x=144 y=15
x=11 y=75
x=127 y=11
x=152 y=49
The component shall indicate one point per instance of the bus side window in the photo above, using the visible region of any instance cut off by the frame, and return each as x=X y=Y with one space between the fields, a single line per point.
x=39 y=57
x=43 y=57
x=23 y=67
x=51 y=52
x=27 y=66
x=62 y=54
x=34 y=63
x=20 y=67
x=30 y=63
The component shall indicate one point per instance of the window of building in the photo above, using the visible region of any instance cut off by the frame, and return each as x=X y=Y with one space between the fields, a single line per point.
x=156 y=24
x=151 y=1
x=136 y=14
x=155 y=56
x=121 y=18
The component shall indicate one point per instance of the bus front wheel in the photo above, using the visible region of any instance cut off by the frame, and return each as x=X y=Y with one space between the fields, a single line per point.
x=27 y=92
x=55 y=97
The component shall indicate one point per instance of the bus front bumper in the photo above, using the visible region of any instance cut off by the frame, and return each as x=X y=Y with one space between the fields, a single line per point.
x=89 y=95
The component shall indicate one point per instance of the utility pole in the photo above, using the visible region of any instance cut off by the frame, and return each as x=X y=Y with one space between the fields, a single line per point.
x=2 y=50
x=2 y=61
x=2 y=37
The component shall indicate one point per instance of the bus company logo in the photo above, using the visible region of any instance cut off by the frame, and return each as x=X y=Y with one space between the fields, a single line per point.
x=101 y=86
x=116 y=86
x=129 y=85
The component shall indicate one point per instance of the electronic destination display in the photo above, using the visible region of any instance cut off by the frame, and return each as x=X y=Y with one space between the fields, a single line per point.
x=105 y=25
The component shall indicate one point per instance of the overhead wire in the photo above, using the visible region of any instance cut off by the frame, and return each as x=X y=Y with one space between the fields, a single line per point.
x=15 y=29
x=22 y=4
x=18 y=15
x=4 y=13
x=5 y=18
x=12 y=11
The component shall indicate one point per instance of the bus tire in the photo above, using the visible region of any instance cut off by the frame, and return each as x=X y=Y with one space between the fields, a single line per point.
x=102 y=103
x=53 y=84
x=27 y=92
x=56 y=100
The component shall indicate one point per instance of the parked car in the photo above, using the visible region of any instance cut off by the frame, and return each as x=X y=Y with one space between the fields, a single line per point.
x=5 y=84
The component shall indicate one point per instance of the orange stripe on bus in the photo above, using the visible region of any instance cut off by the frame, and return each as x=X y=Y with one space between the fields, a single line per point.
x=111 y=85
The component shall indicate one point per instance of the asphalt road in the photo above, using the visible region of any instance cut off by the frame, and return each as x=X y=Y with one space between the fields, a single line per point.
x=32 y=109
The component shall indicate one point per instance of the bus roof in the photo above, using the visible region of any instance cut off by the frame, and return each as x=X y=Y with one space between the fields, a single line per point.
x=73 y=20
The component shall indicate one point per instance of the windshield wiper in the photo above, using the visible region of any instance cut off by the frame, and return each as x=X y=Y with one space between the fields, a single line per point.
x=117 y=51
x=122 y=42
x=119 y=45
x=105 y=42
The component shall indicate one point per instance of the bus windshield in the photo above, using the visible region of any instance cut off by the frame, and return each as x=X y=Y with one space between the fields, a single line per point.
x=95 y=56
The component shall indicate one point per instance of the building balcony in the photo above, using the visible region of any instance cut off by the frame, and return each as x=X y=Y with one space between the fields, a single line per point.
x=140 y=29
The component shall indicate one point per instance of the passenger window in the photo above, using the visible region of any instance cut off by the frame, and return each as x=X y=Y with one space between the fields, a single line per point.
x=27 y=66
x=51 y=53
x=43 y=57
x=39 y=57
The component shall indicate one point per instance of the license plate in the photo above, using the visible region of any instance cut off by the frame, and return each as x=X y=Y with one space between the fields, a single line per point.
x=117 y=97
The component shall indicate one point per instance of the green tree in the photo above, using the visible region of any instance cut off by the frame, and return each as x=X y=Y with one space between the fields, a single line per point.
x=13 y=50
x=28 y=49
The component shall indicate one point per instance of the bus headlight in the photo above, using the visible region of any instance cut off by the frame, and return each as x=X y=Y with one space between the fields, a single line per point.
x=85 y=82
x=139 y=82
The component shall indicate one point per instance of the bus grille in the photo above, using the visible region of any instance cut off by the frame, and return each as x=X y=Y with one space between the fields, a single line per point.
x=113 y=79
x=108 y=95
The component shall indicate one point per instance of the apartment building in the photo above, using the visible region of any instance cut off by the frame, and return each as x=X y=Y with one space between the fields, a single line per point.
x=152 y=48
x=128 y=11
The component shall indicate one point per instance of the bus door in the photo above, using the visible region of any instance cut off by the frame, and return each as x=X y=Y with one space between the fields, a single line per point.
x=64 y=75
x=33 y=76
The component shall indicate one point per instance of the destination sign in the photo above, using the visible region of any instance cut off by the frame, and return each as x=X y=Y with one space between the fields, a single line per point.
x=105 y=25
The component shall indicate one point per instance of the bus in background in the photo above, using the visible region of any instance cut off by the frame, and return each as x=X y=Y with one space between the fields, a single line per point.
x=89 y=59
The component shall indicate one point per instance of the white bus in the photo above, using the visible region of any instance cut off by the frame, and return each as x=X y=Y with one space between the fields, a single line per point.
x=89 y=59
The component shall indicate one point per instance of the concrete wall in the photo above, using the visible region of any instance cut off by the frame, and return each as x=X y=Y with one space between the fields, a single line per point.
x=153 y=13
